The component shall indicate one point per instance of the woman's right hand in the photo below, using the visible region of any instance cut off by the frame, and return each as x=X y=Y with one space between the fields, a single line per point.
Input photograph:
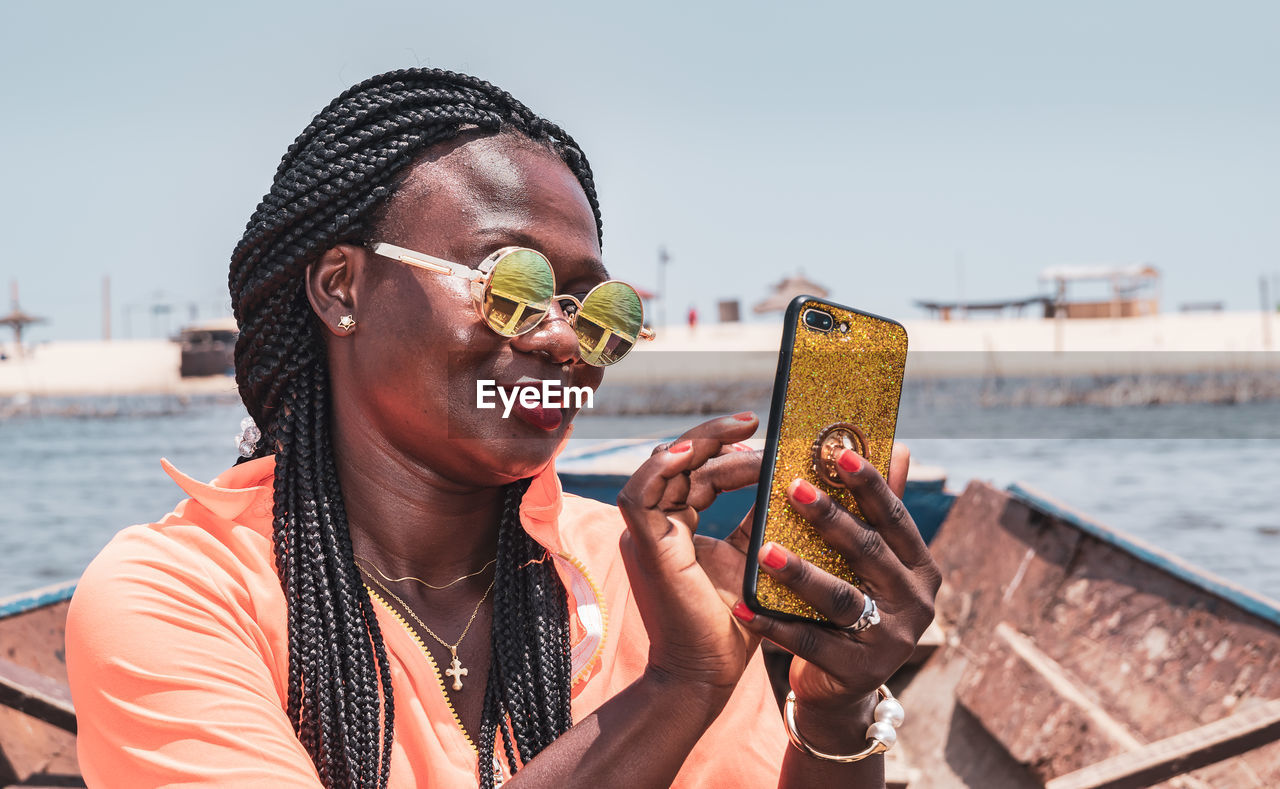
x=693 y=637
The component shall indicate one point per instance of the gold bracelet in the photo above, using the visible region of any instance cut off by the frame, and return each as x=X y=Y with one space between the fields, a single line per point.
x=883 y=733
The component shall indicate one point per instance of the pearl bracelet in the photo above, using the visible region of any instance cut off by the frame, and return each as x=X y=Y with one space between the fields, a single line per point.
x=882 y=733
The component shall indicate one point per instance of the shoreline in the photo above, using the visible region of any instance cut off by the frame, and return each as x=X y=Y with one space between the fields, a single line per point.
x=706 y=398
x=1173 y=358
x=90 y=368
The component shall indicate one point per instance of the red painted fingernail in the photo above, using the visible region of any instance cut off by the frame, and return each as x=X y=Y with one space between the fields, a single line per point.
x=745 y=416
x=740 y=447
x=741 y=611
x=849 y=461
x=803 y=492
x=683 y=446
x=771 y=556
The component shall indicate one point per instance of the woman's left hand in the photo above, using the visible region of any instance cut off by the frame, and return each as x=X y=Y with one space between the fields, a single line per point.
x=837 y=671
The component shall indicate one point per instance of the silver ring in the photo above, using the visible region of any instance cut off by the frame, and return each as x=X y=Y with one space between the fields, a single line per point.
x=870 y=616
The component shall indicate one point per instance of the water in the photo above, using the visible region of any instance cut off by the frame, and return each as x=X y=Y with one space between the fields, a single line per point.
x=67 y=484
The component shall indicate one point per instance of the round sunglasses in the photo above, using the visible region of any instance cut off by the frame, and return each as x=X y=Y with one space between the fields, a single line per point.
x=513 y=290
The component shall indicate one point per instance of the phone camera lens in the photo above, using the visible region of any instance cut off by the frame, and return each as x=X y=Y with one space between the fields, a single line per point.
x=818 y=320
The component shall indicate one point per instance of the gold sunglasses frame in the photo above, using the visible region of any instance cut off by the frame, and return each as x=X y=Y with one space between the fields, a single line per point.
x=480 y=277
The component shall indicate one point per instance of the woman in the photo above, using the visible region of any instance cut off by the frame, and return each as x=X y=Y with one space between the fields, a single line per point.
x=315 y=616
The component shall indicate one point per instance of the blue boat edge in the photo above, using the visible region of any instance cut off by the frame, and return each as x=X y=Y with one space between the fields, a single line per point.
x=1249 y=601
x=927 y=501
x=36 y=598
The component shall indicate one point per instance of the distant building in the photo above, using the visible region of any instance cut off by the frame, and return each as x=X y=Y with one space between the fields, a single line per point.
x=946 y=310
x=208 y=348
x=786 y=290
x=1132 y=291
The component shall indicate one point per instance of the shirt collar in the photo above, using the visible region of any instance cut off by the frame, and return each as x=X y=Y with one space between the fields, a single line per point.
x=231 y=493
x=234 y=490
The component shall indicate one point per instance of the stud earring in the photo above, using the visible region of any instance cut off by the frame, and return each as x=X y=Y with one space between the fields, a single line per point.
x=346 y=323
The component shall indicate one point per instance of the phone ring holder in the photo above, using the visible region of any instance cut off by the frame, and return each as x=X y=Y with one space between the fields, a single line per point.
x=831 y=442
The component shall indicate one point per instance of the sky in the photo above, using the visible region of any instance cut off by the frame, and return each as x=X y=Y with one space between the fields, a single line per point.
x=891 y=151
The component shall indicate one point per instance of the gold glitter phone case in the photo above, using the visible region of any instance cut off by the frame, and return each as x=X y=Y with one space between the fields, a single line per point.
x=838 y=383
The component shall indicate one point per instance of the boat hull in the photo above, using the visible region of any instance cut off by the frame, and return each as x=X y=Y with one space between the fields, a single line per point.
x=36 y=746
x=1069 y=644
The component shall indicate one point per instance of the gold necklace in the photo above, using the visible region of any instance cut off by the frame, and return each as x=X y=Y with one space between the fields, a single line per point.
x=455 y=669
x=419 y=580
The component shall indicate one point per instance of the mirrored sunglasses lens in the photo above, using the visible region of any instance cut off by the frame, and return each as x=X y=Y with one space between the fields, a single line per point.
x=609 y=322
x=519 y=292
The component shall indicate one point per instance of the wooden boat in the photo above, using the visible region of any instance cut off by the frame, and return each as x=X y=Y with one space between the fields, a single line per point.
x=1076 y=657
x=1065 y=654
x=37 y=721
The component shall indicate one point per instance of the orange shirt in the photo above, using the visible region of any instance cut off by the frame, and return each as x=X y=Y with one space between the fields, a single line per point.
x=177 y=652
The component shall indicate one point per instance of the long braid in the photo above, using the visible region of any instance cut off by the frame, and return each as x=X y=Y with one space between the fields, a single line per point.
x=529 y=673
x=329 y=188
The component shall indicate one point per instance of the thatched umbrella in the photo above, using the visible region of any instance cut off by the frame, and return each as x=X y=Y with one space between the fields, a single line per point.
x=786 y=290
x=17 y=319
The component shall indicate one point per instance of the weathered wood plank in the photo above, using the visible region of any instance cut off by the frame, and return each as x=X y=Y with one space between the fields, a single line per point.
x=1181 y=753
x=897 y=773
x=41 y=697
x=1022 y=696
x=32 y=635
x=1245 y=599
x=1150 y=653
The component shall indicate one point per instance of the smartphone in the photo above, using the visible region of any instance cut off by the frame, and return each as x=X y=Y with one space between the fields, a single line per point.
x=838 y=385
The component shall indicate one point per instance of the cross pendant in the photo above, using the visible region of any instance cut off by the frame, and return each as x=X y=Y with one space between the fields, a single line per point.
x=456 y=670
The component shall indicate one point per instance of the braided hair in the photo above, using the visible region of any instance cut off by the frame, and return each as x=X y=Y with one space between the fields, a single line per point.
x=330 y=187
